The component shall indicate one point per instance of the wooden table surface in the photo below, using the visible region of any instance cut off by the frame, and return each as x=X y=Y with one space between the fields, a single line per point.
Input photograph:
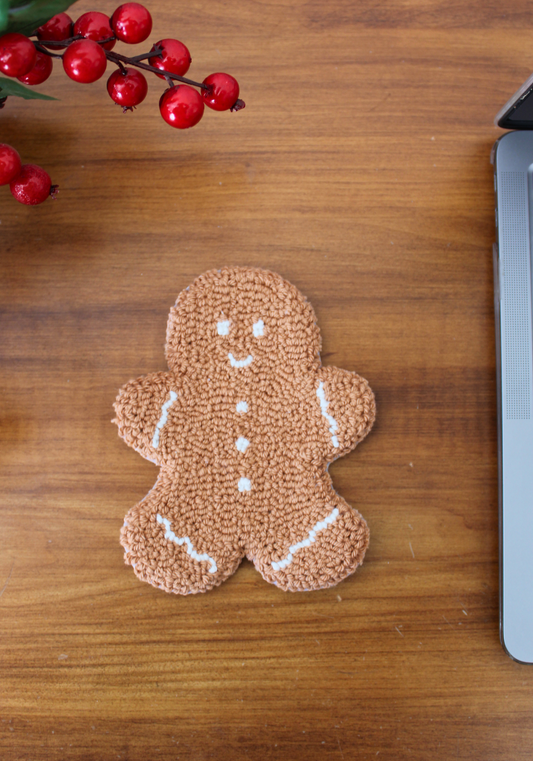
x=359 y=171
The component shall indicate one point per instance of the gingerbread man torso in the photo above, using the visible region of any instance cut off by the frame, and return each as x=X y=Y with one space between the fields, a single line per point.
x=243 y=427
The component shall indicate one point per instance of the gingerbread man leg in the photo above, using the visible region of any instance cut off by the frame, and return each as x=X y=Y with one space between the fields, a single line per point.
x=174 y=542
x=318 y=550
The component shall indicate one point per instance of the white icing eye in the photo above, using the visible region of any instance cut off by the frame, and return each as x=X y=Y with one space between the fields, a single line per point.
x=259 y=327
x=223 y=328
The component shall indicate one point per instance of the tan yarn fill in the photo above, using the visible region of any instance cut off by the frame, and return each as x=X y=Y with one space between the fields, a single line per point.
x=236 y=483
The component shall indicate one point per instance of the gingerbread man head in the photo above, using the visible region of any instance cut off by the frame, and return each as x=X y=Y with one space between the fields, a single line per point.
x=235 y=317
x=243 y=428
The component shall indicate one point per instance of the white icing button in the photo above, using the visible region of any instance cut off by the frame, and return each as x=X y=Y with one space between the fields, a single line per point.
x=223 y=328
x=242 y=407
x=242 y=444
x=244 y=484
x=259 y=327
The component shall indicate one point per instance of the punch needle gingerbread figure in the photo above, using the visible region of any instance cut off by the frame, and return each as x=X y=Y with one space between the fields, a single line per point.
x=243 y=427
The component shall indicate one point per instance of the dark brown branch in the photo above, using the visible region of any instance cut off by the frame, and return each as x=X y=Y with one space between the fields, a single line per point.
x=42 y=49
x=56 y=44
x=117 y=58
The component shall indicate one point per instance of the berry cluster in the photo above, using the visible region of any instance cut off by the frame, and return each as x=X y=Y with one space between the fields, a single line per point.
x=28 y=183
x=89 y=44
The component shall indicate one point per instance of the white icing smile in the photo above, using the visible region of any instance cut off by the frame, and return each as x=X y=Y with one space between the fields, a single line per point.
x=240 y=362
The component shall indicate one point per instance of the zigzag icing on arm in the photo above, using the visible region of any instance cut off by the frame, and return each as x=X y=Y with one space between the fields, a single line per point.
x=324 y=404
x=163 y=418
x=310 y=539
x=169 y=534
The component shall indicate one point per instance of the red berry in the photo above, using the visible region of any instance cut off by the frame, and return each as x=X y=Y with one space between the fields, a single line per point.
x=181 y=106
x=127 y=89
x=175 y=57
x=17 y=54
x=84 y=61
x=10 y=164
x=131 y=23
x=95 y=26
x=32 y=186
x=40 y=72
x=223 y=92
x=58 y=28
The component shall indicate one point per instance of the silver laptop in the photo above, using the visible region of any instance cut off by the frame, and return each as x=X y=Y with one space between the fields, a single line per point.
x=512 y=157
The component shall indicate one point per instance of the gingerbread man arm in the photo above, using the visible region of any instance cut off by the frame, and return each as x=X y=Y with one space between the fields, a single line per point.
x=347 y=411
x=143 y=407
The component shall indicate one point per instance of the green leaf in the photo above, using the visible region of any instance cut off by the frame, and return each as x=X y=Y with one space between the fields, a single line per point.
x=19 y=3
x=4 y=18
x=12 y=87
x=26 y=17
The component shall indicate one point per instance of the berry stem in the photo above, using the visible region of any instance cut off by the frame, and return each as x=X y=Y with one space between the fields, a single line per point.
x=61 y=43
x=117 y=58
x=40 y=48
x=153 y=54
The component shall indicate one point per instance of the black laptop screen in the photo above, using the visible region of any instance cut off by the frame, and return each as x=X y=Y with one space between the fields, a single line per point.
x=521 y=115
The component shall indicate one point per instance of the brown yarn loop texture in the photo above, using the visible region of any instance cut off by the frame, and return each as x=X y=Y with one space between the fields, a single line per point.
x=243 y=427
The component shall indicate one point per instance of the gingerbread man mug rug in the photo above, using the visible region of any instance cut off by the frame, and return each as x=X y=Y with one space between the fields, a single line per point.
x=243 y=427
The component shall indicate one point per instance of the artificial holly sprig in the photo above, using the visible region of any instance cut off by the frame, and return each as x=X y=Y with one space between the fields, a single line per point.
x=130 y=23
x=88 y=46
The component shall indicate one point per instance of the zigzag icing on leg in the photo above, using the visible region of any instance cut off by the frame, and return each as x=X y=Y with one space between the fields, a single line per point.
x=163 y=418
x=311 y=537
x=324 y=404
x=169 y=534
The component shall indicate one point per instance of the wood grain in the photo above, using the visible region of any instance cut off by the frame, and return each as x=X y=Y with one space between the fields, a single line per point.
x=360 y=172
